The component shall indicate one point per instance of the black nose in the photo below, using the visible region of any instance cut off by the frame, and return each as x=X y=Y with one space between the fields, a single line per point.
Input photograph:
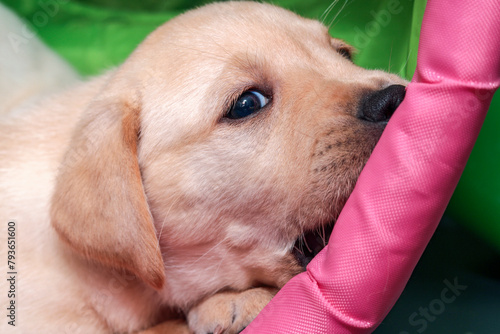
x=380 y=105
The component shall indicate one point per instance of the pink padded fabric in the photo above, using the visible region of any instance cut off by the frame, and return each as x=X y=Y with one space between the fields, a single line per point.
x=404 y=189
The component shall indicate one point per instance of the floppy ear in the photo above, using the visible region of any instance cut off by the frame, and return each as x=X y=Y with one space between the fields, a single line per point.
x=99 y=206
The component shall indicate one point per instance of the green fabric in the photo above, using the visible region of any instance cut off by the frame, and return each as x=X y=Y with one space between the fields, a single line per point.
x=95 y=35
x=476 y=201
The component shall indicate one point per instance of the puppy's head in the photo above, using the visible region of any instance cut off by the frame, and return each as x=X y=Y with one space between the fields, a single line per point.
x=238 y=124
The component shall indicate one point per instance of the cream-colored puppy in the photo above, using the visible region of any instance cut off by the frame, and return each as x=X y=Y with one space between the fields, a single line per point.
x=176 y=185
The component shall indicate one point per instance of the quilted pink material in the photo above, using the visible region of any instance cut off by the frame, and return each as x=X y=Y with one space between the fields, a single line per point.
x=404 y=189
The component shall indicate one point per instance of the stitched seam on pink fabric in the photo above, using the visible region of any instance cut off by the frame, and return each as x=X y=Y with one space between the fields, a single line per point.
x=451 y=83
x=341 y=317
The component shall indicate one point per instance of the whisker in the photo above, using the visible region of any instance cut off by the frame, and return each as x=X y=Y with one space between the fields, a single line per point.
x=406 y=63
x=299 y=249
x=307 y=245
x=164 y=221
x=390 y=57
x=323 y=234
x=327 y=11
x=207 y=252
x=338 y=13
x=303 y=133
x=221 y=261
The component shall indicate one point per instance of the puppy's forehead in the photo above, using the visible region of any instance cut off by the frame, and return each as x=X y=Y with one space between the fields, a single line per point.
x=196 y=64
x=224 y=29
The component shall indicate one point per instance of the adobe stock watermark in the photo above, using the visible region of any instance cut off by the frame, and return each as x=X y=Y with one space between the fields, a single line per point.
x=421 y=318
x=48 y=9
x=381 y=19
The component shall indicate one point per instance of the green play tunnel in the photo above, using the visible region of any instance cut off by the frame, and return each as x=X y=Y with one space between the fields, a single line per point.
x=95 y=35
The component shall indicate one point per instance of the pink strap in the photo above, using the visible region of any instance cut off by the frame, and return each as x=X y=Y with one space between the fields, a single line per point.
x=403 y=191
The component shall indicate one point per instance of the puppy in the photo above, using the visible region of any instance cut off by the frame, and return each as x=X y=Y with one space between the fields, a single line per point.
x=176 y=186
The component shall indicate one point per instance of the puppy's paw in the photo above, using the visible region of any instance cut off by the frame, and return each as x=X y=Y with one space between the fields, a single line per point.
x=168 y=327
x=228 y=312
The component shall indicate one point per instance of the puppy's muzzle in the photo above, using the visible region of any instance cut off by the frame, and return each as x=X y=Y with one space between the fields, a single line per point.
x=375 y=107
x=380 y=105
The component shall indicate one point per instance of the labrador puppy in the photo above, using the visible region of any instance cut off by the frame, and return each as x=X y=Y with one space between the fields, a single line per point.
x=177 y=185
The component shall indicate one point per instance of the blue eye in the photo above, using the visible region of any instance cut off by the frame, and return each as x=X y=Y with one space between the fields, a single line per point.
x=248 y=103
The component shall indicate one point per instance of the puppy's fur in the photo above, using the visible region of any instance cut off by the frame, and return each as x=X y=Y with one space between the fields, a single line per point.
x=135 y=198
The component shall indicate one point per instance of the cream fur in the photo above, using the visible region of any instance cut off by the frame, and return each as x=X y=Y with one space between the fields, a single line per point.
x=135 y=199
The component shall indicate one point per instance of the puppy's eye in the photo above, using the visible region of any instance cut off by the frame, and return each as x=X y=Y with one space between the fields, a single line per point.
x=248 y=103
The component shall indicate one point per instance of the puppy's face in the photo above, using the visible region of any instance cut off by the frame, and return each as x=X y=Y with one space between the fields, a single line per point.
x=288 y=166
x=252 y=127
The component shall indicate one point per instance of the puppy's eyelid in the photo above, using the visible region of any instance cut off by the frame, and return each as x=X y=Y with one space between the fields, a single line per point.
x=345 y=52
x=233 y=96
x=247 y=110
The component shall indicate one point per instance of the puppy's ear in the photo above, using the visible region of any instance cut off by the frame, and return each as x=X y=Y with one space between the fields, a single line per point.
x=99 y=207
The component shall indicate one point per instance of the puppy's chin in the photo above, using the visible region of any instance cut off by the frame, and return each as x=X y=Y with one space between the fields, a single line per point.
x=313 y=239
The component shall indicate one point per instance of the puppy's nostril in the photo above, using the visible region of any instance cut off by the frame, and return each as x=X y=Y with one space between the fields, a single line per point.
x=380 y=105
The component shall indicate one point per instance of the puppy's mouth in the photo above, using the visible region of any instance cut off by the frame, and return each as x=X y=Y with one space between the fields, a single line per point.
x=376 y=107
x=310 y=243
